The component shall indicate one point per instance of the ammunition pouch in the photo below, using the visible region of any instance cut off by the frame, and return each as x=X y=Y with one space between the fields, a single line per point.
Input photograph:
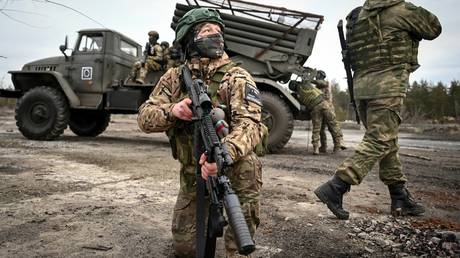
x=181 y=141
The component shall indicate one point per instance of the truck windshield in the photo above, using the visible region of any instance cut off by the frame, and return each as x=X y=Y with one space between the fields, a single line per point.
x=90 y=43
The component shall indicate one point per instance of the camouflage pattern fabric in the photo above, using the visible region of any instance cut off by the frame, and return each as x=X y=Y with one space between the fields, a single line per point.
x=323 y=112
x=380 y=89
x=325 y=87
x=246 y=178
x=381 y=69
x=168 y=61
x=237 y=91
x=382 y=118
x=152 y=63
x=309 y=95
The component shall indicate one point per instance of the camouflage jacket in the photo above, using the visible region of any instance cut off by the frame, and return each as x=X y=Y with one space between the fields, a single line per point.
x=154 y=52
x=324 y=86
x=309 y=95
x=393 y=20
x=237 y=91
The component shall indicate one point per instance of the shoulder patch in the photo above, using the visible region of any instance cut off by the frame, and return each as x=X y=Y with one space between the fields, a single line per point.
x=252 y=94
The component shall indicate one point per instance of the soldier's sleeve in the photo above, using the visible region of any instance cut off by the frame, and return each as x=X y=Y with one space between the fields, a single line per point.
x=246 y=107
x=155 y=113
x=158 y=55
x=421 y=23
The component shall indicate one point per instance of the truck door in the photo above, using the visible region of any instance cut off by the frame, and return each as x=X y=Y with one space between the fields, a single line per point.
x=87 y=66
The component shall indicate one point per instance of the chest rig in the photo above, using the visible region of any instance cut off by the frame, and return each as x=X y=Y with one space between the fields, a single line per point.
x=368 y=48
x=181 y=135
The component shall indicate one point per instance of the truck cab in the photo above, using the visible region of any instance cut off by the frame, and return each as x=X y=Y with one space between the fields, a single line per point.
x=79 y=90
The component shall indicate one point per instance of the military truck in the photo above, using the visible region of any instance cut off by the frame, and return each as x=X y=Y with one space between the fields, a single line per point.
x=83 y=89
x=273 y=44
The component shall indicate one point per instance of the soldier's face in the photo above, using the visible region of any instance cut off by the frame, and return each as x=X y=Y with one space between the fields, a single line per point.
x=208 y=29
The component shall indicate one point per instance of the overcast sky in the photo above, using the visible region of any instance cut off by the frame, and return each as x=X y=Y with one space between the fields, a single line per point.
x=47 y=25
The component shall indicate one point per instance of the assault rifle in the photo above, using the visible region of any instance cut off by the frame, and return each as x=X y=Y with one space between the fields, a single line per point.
x=147 y=50
x=221 y=194
x=346 y=64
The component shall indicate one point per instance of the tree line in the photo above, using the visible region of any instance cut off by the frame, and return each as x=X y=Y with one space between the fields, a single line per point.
x=425 y=102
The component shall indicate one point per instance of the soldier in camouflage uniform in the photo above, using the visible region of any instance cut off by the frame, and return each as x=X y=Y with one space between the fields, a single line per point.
x=154 y=57
x=166 y=55
x=324 y=86
x=171 y=56
x=382 y=38
x=200 y=32
x=320 y=111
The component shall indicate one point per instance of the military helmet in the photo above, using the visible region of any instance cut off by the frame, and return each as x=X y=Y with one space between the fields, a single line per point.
x=320 y=75
x=164 y=44
x=154 y=34
x=194 y=17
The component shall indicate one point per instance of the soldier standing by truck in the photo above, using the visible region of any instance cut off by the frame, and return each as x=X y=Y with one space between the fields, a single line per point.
x=322 y=84
x=200 y=33
x=320 y=109
x=153 y=56
x=382 y=39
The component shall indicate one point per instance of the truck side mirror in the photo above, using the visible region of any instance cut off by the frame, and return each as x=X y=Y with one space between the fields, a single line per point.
x=64 y=47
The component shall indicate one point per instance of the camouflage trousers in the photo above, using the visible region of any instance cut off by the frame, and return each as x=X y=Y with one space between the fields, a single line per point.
x=152 y=65
x=246 y=180
x=322 y=132
x=382 y=118
x=324 y=113
x=140 y=72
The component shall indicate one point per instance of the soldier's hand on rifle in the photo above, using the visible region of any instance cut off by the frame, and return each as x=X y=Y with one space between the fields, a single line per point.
x=182 y=110
x=207 y=169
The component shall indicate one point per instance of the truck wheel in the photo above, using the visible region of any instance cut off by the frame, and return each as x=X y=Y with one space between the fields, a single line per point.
x=88 y=122
x=277 y=116
x=42 y=113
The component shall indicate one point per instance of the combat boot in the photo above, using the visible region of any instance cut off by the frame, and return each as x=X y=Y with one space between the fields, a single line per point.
x=402 y=203
x=339 y=145
x=315 y=149
x=141 y=75
x=331 y=193
x=323 y=149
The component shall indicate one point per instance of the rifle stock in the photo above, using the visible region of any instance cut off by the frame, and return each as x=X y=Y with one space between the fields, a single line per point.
x=219 y=188
x=347 y=66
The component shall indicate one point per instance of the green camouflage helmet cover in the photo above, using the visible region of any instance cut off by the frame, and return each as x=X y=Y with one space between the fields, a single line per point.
x=194 y=17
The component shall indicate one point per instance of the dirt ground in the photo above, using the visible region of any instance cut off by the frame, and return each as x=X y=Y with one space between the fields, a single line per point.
x=112 y=196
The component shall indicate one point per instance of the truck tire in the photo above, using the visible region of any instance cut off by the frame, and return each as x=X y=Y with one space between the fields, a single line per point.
x=277 y=116
x=88 y=122
x=42 y=113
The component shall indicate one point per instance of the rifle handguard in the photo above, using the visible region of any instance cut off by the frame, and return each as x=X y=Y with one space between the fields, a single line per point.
x=238 y=223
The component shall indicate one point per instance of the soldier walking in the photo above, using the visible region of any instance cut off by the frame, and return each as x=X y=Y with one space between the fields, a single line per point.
x=382 y=39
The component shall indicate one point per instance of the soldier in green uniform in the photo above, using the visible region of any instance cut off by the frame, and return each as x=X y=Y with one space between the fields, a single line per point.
x=200 y=33
x=322 y=84
x=320 y=110
x=154 y=57
x=382 y=38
